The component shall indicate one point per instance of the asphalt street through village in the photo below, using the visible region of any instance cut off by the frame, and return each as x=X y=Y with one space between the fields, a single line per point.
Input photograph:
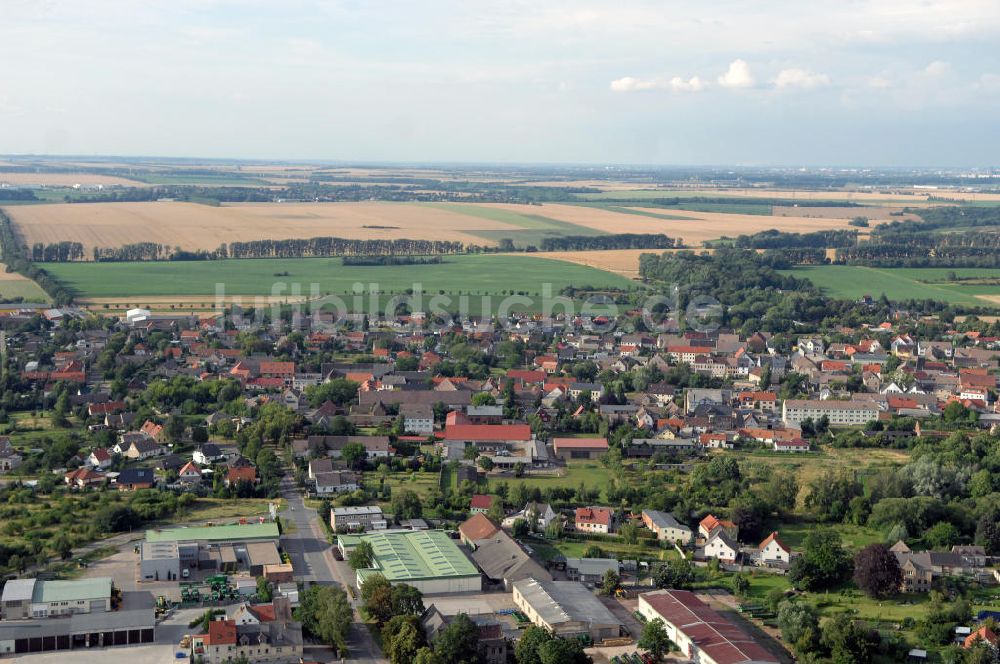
x=313 y=561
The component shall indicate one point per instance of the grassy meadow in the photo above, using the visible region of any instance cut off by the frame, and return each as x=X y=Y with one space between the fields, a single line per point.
x=475 y=275
x=854 y=281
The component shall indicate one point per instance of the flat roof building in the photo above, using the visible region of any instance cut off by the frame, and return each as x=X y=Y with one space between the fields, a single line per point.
x=839 y=413
x=429 y=560
x=230 y=533
x=260 y=554
x=565 y=608
x=43 y=616
x=159 y=561
x=357 y=517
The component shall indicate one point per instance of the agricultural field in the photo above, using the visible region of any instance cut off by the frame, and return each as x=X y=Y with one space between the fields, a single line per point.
x=14 y=285
x=707 y=226
x=531 y=228
x=201 y=227
x=692 y=226
x=192 y=226
x=897 y=196
x=872 y=212
x=476 y=275
x=67 y=179
x=854 y=281
x=620 y=261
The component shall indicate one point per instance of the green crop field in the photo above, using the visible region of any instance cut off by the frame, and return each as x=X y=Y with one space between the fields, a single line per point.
x=642 y=213
x=854 y=281
x=474 y=275
x=533 y=227
x=26 y=289
x=218 y=180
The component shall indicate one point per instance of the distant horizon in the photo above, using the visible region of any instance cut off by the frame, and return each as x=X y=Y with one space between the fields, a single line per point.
x=388 y=163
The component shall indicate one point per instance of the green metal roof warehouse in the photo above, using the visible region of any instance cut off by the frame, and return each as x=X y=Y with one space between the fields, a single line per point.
x=232 y=533
x=426 y=559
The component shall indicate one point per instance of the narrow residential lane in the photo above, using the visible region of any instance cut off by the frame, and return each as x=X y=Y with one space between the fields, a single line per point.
x=312 y=558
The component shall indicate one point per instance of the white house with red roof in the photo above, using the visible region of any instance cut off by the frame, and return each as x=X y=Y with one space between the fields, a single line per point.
x=710 y=524
x=594 y=520
x=793 y=445
x=772 y=550
x=190 y=472
x=100 y=457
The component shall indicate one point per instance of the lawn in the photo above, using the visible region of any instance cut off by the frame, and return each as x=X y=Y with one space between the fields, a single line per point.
x=854 y=281
x=472 y=275
x=420 y=483
x=590 y=473
x=549 y=549
x=853 y=537
x=206 y=509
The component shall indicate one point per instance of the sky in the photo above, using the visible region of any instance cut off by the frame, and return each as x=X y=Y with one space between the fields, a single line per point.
x=800 y=82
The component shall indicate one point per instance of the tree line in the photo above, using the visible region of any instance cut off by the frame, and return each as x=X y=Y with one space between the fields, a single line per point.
x=775 y=239
x=613 y=241
x=334 y=246
x=17 y=259
x=928 y=249
x=17 y=195
x=57 y=252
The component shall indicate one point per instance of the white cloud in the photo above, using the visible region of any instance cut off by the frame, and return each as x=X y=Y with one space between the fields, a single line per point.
x=879 y=82
x=675 y=84
x=630 y=84
x=737 y=76
x=937 y=68
x=988 y=81
x=693 y=84
x=800 y=78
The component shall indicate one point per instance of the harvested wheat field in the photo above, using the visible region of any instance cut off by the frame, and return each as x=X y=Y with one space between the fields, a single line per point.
x=65 y=180
x=874 y=213
x=620 y=261
x=694 y=228
x=192 y=226
x=904 y=194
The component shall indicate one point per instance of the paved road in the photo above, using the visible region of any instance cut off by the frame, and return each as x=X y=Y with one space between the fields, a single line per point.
x=312 y=558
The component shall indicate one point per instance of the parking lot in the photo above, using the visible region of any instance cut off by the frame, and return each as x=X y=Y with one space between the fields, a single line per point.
x=123 y=567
